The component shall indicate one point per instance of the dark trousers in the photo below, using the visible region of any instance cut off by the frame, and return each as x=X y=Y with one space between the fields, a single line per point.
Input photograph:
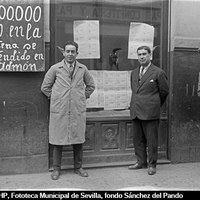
x=145 y=134
x=57 y=156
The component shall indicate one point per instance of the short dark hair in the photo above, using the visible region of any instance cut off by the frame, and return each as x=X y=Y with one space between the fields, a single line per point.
x=71 y=43
x=147 y=48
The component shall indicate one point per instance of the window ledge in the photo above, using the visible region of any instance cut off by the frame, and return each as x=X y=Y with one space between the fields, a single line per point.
x=108 y=115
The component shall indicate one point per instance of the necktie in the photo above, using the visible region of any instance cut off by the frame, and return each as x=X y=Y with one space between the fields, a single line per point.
x=71 y=70
x=141 y=72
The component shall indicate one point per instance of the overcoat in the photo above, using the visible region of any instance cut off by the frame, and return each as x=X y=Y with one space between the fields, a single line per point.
x=148 y=94
x=68 y=96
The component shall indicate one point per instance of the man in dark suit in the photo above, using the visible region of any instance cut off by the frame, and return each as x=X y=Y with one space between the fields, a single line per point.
x=149 y=87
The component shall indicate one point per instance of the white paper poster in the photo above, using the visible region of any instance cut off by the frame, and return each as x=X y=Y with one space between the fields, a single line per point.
x=93 y=100
x=139 y=34
x=86 y=34
x=112 y=90
x=115 y=90
x=96 y=99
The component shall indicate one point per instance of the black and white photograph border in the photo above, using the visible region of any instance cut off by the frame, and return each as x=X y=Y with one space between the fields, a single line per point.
x=31 y=35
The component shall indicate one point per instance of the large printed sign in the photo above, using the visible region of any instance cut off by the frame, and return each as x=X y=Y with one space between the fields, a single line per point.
x=21 y=36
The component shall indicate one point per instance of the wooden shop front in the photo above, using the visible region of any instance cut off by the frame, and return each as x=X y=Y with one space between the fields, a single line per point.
x=103 y=31
x=30 y=32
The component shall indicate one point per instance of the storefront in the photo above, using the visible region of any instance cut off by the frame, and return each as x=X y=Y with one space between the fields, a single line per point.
x=107 y=32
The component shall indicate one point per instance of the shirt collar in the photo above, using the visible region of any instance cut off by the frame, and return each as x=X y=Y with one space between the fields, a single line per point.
x=147 y=65
x=68 y=65
x=145 y=68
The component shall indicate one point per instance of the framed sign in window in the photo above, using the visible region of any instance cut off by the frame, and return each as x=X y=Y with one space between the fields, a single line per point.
x=22 y=36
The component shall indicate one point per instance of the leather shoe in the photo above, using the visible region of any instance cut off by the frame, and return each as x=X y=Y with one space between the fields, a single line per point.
x=137 y=166
x=81 y=172
x=151 y=170
x=55 y=174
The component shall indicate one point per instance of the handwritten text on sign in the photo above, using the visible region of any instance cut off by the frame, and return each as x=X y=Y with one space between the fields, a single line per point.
x=21 y=36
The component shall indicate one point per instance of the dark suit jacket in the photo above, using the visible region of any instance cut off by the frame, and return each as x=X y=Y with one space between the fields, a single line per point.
x=149 y=94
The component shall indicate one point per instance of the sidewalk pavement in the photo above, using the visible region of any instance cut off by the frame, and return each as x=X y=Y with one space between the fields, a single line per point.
x=184 y=176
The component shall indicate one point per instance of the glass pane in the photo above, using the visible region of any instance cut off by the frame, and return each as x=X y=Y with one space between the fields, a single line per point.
x=114 y=17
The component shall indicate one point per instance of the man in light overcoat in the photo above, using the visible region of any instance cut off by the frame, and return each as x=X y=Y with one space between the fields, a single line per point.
x=68 y=84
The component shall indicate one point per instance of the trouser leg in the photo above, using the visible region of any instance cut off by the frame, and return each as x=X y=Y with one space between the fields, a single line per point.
x=78 y=155
x=152 y=141
x=57 y=156
x=139 y=142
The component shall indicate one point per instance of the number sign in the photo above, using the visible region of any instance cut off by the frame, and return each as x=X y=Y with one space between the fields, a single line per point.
x=21 y=36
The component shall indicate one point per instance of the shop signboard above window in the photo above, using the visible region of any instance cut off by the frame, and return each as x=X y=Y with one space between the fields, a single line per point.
x=22 y=36
x=109 y=13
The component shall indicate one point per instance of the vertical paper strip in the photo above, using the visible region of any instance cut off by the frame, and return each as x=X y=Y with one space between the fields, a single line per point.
x=86 y=34
x=139 y=34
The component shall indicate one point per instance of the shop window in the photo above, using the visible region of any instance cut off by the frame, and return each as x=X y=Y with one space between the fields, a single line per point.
x=111 y=49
